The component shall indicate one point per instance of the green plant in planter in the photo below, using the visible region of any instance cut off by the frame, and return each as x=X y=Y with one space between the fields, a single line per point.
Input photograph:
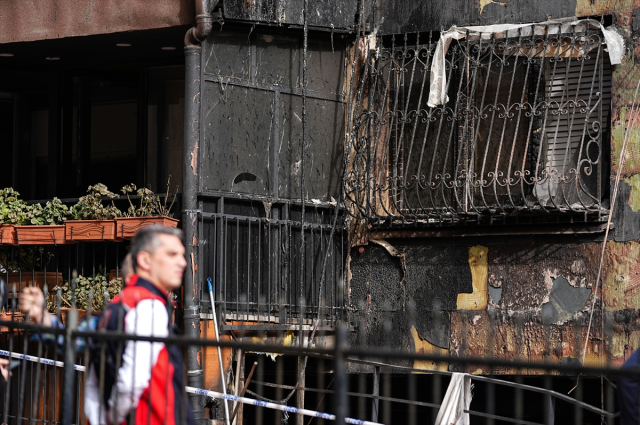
x=54 y=212
x=150 y=204
x=13 y=210
x=24 y=259
x=86 y=288
x=91 y=207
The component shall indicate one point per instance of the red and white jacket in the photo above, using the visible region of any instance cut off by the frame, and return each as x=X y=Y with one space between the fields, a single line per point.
x=148 y=385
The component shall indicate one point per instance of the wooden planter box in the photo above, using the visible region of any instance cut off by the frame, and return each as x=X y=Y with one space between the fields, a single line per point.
x=25 y=279
x=90 y=230
x=18 y=317
x=8 y=234
x=128 y=226
x=40 y=235
x=64 y=312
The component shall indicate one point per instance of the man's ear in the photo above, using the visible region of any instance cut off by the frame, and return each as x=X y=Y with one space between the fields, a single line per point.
x=144 y=261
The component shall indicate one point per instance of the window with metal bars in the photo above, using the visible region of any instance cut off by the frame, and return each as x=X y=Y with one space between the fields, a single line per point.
x=265 y=274
x=521 y=138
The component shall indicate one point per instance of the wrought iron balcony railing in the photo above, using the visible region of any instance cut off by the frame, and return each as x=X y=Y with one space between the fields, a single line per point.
x=521 y=138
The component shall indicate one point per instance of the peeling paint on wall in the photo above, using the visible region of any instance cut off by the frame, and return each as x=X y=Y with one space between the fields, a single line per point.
x=520 y=278
x=422 y=346
x=477 y=300
x=624 y=79
x=634 y=197
x=564 y=301
x=495 y=294
x=622 y=276
x=622 y=9
x=484 y=3
x=632 y=153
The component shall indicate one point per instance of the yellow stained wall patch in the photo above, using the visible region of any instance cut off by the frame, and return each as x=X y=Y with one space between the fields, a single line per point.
x=477 y=300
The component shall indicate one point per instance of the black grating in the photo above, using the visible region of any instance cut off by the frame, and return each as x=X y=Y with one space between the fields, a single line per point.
x=253 y=251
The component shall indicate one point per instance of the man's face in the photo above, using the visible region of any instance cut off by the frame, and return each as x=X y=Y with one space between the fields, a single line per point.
x=166 y=264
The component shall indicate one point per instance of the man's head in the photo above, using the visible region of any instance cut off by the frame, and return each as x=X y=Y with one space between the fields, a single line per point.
x=157 y=254
x=126 y=270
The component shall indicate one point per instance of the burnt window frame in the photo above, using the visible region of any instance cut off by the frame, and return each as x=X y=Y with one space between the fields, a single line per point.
x=366 y=186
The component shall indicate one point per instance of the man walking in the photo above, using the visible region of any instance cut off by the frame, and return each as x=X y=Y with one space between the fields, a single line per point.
x=141 y=382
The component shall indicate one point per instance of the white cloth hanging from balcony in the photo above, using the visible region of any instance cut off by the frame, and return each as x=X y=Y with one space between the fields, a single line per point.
x=438 y=84
x=456 y=401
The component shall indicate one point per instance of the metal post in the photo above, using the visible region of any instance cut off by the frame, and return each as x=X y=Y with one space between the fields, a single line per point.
x=341 y=374
x=215 y=328
x=376 y=393
x=549 y=410
x=189 y=198
x=69 y=359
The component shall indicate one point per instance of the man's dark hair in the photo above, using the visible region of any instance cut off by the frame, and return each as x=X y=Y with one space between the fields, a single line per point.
x=147 y=240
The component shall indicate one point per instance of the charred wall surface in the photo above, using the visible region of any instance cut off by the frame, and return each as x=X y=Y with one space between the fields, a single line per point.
x=502 y=297
x=399 y=16
x=252 y=118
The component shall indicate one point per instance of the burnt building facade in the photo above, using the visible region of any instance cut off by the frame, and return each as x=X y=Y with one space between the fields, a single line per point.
x=339 y=163
x=456 y=201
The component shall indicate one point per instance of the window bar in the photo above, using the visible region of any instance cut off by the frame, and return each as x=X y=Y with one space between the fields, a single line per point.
x=260 y=266
x=392 y=188
x=237 y=245
x=419 y=113
x=398 y=165
x=564 y=109
x=470 y=183
x=596 y=76
x=249 y=267
x=270 y=268
x=220 y=257
x=517 y=176
x=551 y=171
x=275 y=213
x=370 y=186
x=290 y=265
x=225 y=263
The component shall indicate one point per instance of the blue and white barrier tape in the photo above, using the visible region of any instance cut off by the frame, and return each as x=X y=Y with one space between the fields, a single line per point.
x=36 y=359
x=215 y=394
x=276 y=406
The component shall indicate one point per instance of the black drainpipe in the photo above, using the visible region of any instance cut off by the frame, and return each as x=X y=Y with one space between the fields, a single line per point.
x=190 y=158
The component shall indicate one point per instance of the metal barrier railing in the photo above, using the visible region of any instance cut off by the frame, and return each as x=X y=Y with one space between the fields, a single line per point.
x=38 y=393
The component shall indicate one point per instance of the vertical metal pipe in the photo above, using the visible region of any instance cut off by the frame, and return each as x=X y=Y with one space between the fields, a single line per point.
x=549 y=407
x=215 y=328
x=302 y=362
x=341 y=374
x=376 y=393
x=69 y=359
x=189 y=198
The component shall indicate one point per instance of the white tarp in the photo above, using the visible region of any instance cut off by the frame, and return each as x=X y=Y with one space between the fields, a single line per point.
x=456 y=401
x=438 y=86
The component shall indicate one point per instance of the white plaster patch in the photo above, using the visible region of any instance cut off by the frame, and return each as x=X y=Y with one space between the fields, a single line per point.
x=549 y=277
x=578 y=267
x=494 y=281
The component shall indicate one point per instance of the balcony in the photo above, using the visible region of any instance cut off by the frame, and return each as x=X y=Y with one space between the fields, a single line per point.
x=522 y=138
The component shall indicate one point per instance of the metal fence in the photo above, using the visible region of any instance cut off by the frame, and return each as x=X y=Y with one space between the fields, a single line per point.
x=521 y=136
x=366 y=384
x=262 y=270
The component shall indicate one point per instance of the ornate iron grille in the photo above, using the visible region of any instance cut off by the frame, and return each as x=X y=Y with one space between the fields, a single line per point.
x=520 y=138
